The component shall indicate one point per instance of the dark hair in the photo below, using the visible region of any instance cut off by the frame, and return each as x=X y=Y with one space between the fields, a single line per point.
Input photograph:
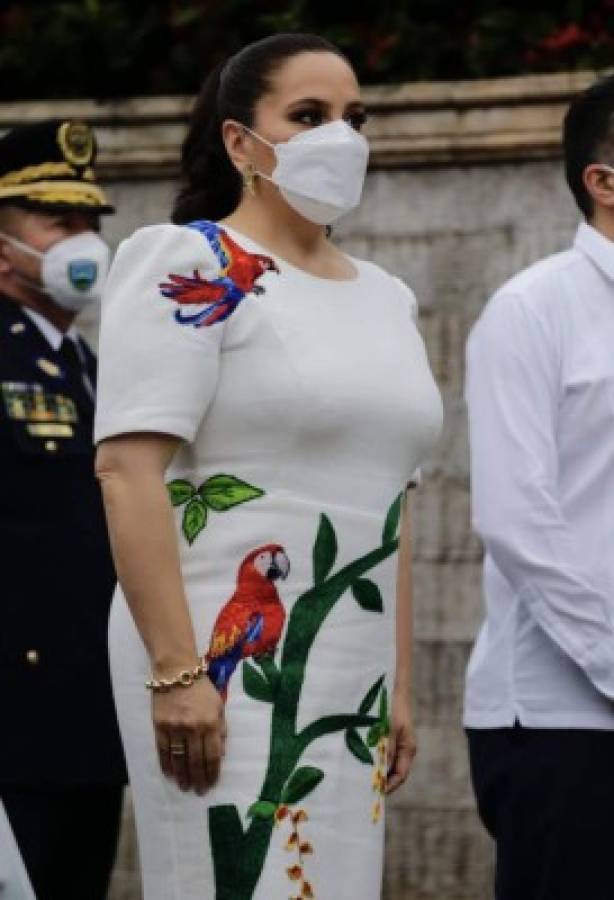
x=211 y=185
x=588 y=135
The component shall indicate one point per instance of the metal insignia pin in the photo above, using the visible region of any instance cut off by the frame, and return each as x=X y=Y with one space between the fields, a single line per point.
x=18 y=328
x=48 y=367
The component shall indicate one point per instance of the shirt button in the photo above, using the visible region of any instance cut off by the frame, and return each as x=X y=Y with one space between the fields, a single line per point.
x=51 y=446
x=32 y=657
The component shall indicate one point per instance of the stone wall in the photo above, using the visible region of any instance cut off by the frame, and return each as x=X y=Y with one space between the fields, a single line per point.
x=466 y=188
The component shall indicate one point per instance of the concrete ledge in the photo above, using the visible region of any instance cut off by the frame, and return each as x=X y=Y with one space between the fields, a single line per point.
x=421 y=124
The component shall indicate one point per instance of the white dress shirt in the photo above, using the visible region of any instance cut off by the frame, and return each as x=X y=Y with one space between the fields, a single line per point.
x=540 y=393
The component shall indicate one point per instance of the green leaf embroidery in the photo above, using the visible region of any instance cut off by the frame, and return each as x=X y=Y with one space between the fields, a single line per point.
x=383 y=711
x=367 y=595
x=222 y=492
x=239 y=856
x=194 y=519
x=270 y=671
x=255 y=685
x=180 y=491
x=374 y=734
x=357 y=747
x=370 y=697
x=262 y=809
x=302 y=782
x=325 y=550
x=391 y=525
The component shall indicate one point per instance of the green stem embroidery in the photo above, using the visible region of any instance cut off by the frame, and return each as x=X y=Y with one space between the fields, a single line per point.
x=239 y=855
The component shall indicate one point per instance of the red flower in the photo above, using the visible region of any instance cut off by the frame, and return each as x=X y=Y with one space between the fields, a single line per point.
x=378 y=46
x=567 y=36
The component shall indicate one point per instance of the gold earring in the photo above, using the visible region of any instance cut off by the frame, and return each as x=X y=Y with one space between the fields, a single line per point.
x=249 y=179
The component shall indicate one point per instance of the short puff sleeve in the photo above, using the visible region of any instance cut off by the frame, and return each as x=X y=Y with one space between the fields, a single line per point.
x=155 y=373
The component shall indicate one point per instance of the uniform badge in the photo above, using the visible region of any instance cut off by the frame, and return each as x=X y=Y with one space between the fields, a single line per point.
x=82 y=273
x=48 y=367
x=17 y=328
x=50 y=429
x=30 y=403
x=76 y=142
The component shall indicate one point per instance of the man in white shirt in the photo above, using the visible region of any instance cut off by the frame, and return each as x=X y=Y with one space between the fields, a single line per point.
x=539 y=708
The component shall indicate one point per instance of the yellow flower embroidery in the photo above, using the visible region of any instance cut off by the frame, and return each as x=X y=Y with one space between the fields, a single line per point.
x=301 y=847
x=378 y=781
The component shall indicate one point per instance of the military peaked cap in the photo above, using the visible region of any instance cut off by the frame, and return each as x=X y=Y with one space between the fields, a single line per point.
x=49 y=166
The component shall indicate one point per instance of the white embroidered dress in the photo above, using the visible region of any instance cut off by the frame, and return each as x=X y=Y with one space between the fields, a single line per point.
x=305 y=405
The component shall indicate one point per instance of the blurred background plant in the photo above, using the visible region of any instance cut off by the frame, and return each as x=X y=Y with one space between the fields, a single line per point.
x=107 y=48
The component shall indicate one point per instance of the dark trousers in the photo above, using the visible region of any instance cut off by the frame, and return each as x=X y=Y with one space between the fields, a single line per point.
x=547 y=798
x=67 y=838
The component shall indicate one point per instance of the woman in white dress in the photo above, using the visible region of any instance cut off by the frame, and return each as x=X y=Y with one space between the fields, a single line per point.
x=264 y=402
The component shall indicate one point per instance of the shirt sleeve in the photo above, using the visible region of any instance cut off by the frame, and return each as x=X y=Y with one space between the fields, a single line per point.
x=156 y=373
x=512 y=393
x=412 y=306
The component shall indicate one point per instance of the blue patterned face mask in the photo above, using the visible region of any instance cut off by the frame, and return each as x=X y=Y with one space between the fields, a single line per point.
x=73 y=270
x=320 y=172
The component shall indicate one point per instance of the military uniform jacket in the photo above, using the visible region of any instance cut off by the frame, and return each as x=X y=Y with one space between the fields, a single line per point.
x=58 y=718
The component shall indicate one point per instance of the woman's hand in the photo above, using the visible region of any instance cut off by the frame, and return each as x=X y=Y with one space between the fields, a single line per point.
x=190 y=734
x=401 y=741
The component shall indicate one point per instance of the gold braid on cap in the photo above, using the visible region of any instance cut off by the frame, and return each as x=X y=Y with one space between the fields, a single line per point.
x=36 y=173
x=57 y=192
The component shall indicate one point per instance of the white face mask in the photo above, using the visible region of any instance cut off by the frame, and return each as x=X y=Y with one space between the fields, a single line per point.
x=321 y=172
x=73 y=270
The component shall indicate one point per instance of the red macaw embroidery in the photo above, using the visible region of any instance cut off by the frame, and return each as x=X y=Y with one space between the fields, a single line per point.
x=251 y=622
x=239 y=272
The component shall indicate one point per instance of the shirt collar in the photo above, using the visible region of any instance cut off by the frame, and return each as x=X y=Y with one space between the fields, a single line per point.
x=53 y=335
x=597 y=247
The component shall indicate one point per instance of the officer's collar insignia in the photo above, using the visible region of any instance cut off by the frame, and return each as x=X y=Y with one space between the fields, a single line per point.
x=83 y=273
x=76 y=142
x=48 y=367
x=17 y=328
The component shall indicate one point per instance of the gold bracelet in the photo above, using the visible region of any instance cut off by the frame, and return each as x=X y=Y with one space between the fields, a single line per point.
x=183 y=679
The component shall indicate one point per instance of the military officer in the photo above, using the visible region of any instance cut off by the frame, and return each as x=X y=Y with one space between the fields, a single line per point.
x=61 y=763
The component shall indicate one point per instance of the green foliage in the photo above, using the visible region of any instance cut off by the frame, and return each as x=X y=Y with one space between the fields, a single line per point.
x=238 y=857
x=393 y=518
x=108 y=48
x=270 y=672
x=302 y=782
x=222 y=492
x=219 y=493
x=325 y=550
x=194 y=519
x=357 y=747
x=262 y=809
x=371 y=696
x=368 y=595
x=180 y=491
x=256 y=685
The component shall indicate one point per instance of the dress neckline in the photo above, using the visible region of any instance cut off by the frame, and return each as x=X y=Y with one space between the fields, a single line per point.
x=240 y=236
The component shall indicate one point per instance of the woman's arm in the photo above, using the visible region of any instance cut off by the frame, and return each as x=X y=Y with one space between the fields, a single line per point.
x=402 y=744
x=131 y=470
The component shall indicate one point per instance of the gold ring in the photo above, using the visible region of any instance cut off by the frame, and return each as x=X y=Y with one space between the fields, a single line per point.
x=178 y=749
